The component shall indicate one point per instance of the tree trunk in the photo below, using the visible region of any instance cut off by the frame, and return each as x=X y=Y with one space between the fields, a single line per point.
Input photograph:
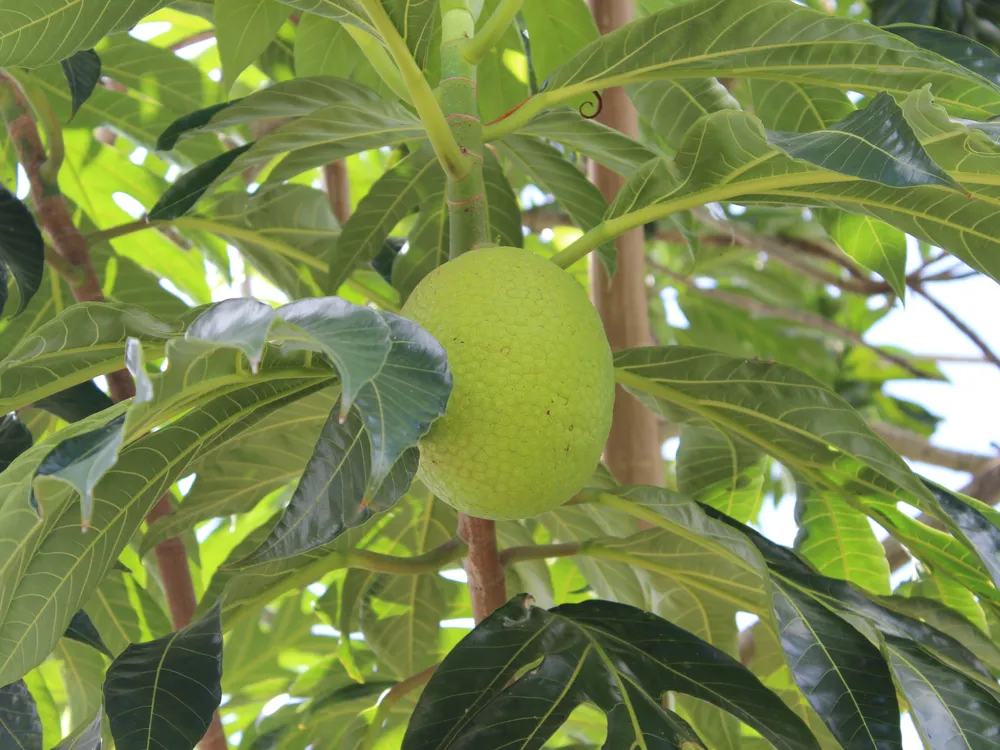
x=632 y=452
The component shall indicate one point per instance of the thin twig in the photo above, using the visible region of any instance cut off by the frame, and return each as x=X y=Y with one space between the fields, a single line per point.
x=512 y=555
x=797 y=316
x=974 y=337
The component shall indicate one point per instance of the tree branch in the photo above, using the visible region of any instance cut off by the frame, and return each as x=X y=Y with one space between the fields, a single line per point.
x=55 y=219
x=483 y=568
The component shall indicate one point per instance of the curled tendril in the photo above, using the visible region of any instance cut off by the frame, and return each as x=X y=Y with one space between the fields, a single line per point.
x=595 y=107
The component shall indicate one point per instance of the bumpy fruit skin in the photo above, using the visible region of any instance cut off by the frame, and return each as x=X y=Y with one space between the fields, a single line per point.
x=534 y=383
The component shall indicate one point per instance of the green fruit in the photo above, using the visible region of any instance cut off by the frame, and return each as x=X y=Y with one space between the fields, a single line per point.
x=534 y=383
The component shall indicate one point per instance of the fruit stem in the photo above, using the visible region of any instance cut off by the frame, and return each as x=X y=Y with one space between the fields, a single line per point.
x=483 y=566
x=467 y=209
x=467 y=215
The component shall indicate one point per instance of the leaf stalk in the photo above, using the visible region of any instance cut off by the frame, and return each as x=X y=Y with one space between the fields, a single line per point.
x=448 y=152
x=487 y=37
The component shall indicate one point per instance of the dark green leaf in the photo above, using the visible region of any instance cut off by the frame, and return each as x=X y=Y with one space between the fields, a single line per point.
x=948 y=710
x=958 y=48
x=193 y=121
x=15 y=439
x=20 y=727
x=242 y=323
x=353 y=338
x=234 y=478
x=83 y=460
x=82 y=71
x=844 y=597
x=404 y=399
x=77 y=402
x=331 y=496
x=22 y=250
x=973 y=524
x=82 y=629
x=162 y=694
x=875 y=144
x=183 y=194
x=842 y=674
x=618 y=657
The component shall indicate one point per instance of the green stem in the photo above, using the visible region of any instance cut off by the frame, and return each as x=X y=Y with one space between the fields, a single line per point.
x=46 y=116
x=430 y=562
x=390 y=699
x=513 y=555
x=381 y=61
x=467 y=209
x=447 y=149
x=73 y=275
x=481 y=44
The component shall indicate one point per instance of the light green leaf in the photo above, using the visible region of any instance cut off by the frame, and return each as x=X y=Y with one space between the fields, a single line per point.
x=872 y=243
x=721 y=470
x=238 y=475
x=501 y=76
x=727 y=157
x=797 y=107
x=783 y=412
x=284 y=231
x=948 y=593
x=428 y=243
x=391 y=198
x=505 y=213
x=400 y=615
x=51 y=30
x=775 y=40
x=111 y=611
x=668 y=109
x=243 y=31
x=558 y=29
x=840 y=543
x=551 y=172
x=137 y=113
x=83 y=673
x=42 y=589
x=323 y=47
x=85 y=341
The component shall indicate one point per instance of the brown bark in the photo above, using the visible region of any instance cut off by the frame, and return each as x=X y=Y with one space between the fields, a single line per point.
x=338 y=189
x=482 y=565
x=55 y=220
x=632 y=452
